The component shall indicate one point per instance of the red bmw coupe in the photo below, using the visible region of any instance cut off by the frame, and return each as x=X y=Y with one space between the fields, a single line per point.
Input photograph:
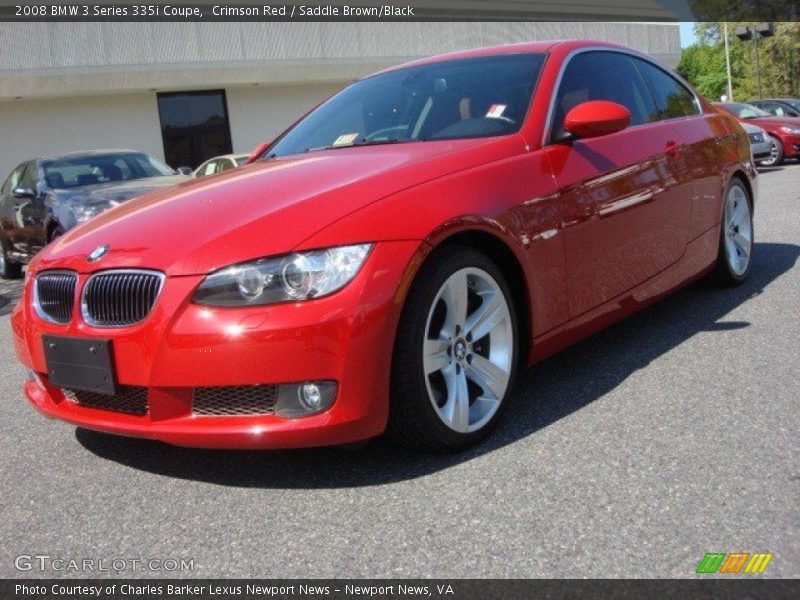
x=390 y=261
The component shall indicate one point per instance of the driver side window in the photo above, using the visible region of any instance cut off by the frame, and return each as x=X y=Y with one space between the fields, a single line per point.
x=601 y=75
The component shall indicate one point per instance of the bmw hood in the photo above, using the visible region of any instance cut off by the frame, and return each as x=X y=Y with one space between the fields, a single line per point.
x=264 y=209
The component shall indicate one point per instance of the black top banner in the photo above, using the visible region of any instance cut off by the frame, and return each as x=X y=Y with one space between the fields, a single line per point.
x=410 y=10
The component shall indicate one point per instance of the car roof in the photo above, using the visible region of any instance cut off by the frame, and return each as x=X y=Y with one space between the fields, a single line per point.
x=518 y=48
x=88 y=153
x=233 y=156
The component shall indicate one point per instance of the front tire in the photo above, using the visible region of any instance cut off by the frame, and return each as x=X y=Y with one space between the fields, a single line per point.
x=776 y=154
x=735 y=257
x=456 y=352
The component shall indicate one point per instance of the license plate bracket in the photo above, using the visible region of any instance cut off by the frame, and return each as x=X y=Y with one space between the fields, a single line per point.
x=80 y=364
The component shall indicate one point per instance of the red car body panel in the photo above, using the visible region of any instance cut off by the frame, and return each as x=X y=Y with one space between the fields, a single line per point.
x=597 y=229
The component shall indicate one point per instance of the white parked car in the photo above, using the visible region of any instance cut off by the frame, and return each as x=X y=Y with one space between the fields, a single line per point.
x=218 y=164
x=760 y=142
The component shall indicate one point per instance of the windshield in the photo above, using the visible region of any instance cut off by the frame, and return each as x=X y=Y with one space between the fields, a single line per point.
x=102 y=168
x=745 y=111
x=468 y=98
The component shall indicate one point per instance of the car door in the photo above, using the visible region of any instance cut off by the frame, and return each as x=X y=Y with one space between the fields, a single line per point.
x=30 y=214
x=7 y=204
x=626 y=195
x=706 y=137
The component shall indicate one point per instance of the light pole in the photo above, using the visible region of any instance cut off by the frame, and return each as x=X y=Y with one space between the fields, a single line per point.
x=728 y=65
x=761 y=30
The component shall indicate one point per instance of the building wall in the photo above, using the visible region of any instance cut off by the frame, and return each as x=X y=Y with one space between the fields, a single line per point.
x=70 y=59
x=259 y=114
x=76 y=86
x=39 y=127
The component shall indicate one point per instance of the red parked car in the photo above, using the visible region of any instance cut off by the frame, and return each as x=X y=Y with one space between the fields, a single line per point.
x=393 y=259
x=783 y=131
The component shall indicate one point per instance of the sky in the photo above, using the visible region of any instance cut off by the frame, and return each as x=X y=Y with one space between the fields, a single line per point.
x=687 y=34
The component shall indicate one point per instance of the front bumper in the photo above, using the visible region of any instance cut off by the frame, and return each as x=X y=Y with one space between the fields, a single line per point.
x=791 y=146
x=761 y=150
x=346 y=338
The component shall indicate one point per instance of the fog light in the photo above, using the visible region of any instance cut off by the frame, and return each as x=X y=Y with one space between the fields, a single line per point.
x=304 y=399
x=310 y=395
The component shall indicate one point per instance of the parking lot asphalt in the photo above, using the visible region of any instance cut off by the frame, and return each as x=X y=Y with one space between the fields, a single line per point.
x=632 y=454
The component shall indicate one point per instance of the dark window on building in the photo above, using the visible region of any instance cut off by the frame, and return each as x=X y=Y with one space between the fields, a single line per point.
x=194 y=126
x=672 y=98
x=600 y=75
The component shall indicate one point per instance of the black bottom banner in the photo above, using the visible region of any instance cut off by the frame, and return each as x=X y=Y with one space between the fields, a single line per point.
x=417 y=589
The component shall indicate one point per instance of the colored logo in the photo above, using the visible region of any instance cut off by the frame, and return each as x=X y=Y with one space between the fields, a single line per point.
x=735 y=562
x=97 y=253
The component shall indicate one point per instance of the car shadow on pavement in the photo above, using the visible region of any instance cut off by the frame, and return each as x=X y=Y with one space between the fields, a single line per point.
x=545 y=393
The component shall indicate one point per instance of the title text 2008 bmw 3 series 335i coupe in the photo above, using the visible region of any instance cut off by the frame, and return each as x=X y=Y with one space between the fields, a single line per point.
x=392 y=260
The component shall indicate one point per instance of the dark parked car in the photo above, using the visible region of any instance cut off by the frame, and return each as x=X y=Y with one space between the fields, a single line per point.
x=44 y=197
x=780 y=107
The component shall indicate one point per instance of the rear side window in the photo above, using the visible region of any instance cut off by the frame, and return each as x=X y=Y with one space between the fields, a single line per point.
x=602 y=75
x=672 y=98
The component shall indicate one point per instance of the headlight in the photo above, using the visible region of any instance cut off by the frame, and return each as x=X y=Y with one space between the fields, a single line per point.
x=791 y=130
x=84 y=212
x=287 y=278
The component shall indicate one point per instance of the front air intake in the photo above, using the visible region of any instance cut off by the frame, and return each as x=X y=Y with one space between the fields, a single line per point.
x=229 y=401
x=130 y=400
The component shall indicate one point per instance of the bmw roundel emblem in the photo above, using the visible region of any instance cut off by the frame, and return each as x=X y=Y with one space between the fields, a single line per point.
x=97 y=253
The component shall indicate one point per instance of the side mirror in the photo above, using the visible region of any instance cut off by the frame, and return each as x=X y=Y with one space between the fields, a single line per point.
x=595 y=118
x=184 y=170
x=24 y=191
x=256 y=152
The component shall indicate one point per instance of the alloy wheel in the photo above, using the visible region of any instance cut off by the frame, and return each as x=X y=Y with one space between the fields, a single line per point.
x=774 y=154
x=468 y=350
x=738 y=230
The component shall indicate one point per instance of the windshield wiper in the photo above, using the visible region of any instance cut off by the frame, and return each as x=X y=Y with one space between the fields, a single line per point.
x=360 y=143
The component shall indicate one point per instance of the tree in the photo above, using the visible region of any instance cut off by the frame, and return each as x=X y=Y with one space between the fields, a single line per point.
x=779 y=57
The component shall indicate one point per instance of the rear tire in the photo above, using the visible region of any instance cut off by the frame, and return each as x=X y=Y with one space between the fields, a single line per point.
x=455 y=356
x=776 y=157
x=736 y=243
x=8 y=269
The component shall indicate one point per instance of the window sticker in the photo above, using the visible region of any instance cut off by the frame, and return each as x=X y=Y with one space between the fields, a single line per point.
x=345 y=139
x=496 y=111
